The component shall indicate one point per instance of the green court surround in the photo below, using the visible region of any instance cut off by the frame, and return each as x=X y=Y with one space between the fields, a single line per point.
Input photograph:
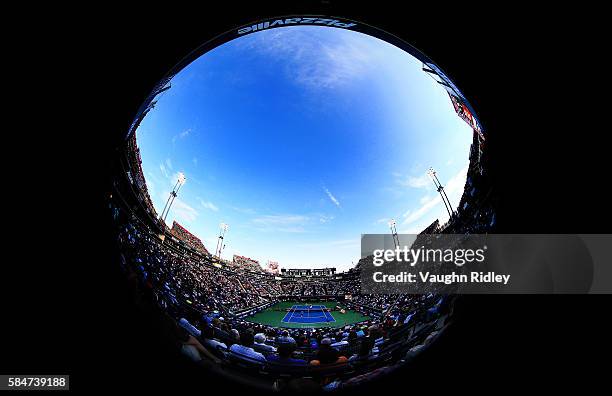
x=273 y=315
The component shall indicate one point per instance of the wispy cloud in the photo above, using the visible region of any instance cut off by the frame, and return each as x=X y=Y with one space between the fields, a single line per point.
x=163 y=170
x=248 y=211
x=181 y=135
x=281 y=223
x=208 y=205
x=325 y=219
x=413 y=181
x=339 y=244
x=426 y=205
x=424 y=199
x=166 y=170
x=316 y=58
x=331 y=197
x=181 y=211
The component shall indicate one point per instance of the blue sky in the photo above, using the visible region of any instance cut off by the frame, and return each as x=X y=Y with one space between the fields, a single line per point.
x=301 y=139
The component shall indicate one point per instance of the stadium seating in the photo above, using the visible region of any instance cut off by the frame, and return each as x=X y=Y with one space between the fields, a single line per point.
x=200 y=295
x=203 y=293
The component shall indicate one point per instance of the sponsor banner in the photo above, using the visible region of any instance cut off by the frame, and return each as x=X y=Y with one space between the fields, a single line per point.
x=460 y=102
x=278 y=22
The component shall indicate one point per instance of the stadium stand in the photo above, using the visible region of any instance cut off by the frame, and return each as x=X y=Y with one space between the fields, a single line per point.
x=209 y=302
x=246 y=263
x=182 y=234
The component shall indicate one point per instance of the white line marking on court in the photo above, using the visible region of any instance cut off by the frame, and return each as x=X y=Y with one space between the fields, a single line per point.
x=292 y=311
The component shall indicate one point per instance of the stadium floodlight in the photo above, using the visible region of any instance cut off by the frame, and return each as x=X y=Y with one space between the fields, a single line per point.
x=220 y=244
x=181 y=178
x=432 y=173
x=394 y=232
x=180 y=181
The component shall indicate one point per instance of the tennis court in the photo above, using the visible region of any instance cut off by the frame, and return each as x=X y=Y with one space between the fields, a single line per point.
x=322 y=314
x=308 y=314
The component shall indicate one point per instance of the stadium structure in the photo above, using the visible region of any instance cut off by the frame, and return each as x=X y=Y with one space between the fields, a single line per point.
x=268 y=327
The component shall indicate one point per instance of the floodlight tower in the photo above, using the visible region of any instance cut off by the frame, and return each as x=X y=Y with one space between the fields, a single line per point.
x=394 y=233
x=181 y=180
x=432 y=173
x=220 y=245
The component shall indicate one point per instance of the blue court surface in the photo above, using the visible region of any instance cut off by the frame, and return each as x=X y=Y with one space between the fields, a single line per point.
x=308 y=314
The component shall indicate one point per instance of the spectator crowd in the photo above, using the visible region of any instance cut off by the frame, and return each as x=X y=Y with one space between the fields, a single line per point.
x=206 y=303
